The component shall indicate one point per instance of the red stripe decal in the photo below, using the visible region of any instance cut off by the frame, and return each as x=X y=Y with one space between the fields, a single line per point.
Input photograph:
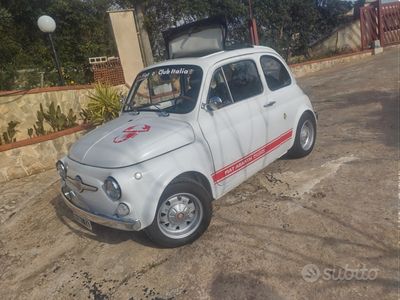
x=250 y=158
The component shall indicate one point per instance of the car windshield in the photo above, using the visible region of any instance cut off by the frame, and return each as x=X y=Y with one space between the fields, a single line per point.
x=167 y=89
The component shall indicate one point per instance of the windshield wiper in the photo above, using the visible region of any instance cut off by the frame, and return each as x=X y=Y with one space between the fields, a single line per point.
x=130 y=108
x=162 y=112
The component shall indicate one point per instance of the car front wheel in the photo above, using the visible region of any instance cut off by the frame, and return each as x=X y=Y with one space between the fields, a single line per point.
x=183 y=214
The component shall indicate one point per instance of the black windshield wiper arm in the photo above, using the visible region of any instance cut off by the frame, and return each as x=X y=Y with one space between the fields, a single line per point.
x=131 y=108
x=162 y=111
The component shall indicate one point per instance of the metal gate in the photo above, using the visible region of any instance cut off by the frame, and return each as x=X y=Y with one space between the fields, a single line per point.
x=380 y=22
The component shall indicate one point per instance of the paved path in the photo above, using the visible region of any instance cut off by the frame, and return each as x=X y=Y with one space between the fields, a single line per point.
x=336 y=210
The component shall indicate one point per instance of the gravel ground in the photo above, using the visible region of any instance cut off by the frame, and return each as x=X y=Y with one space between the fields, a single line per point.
x=322 y=227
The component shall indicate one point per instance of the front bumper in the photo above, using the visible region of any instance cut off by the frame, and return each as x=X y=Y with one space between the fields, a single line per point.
x=133 y=225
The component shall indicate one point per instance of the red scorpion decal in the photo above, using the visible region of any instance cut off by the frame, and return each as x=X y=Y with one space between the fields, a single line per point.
x=130 y=133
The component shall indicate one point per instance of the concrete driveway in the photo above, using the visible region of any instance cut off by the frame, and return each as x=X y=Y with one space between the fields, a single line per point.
x=322 y=227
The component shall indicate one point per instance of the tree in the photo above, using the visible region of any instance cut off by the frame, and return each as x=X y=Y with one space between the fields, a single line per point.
x=287 y=25
x=8 y=48
x=82 y=31
x=331 y=14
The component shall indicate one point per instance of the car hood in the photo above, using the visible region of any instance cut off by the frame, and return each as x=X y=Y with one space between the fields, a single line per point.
x=129 y=140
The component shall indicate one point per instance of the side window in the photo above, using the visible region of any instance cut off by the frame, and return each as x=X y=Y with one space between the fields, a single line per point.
x=275 y=73
x=218 y=88
x=243 y=79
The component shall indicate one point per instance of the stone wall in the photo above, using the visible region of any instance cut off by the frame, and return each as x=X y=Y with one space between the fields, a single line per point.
x=316 y=65
x=36 y=158
x=22 y=106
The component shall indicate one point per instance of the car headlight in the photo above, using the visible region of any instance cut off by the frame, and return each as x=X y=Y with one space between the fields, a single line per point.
x=112 y=189
x=61 y=169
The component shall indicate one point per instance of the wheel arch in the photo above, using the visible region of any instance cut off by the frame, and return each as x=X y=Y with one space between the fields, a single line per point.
x=303 y=109
x=189 y=162
x=197 y=177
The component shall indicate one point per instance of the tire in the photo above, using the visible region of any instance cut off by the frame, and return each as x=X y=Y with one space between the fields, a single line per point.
x=306 y=134
x=183 y=214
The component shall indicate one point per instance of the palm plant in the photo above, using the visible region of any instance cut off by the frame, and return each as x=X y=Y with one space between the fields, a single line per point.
x=104 y=104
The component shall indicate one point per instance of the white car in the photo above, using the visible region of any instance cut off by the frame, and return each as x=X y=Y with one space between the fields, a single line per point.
x=191 y=129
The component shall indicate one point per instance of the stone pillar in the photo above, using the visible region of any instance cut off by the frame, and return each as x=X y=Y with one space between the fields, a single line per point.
x=126 y=37
x=143 y=36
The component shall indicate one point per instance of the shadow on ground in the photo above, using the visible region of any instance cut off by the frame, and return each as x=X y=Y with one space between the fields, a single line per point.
x=385 y=122
x=241 y=286
x=100 y=233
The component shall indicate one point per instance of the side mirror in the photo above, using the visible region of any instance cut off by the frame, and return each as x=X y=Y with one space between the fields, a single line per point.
x=214 y=103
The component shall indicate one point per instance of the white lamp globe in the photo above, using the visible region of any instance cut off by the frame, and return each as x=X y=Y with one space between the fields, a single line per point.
x=46 y=24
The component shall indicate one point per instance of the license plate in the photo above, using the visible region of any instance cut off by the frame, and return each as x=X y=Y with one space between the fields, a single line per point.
x=84 y=222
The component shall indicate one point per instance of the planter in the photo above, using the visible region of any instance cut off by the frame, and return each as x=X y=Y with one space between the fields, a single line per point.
x=43 y=138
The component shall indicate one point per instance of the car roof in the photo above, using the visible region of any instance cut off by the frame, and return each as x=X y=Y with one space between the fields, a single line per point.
x=211 y=59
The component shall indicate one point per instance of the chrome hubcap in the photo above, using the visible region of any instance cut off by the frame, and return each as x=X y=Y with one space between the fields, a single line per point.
x=179 y=215
x=307 y=135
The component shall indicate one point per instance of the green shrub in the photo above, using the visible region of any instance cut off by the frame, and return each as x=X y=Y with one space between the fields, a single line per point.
x=39 y=125
x=30 y=132
x=104 y=105
x=9 y=134
x=55 y=118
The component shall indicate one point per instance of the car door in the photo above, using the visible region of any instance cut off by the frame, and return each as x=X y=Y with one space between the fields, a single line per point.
x=236 y=129
x=280 y=103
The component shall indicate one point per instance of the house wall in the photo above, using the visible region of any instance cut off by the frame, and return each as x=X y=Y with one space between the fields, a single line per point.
x=345 y=39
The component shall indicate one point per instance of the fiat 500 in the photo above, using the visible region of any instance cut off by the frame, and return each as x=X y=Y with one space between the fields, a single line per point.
x=191 y=129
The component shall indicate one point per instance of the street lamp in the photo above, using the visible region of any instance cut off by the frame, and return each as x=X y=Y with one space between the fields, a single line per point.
x=48 y=25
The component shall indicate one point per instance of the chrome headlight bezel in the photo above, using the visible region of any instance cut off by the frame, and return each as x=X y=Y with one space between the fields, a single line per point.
x=112 y=188
x=123 y=209
x=61 y=169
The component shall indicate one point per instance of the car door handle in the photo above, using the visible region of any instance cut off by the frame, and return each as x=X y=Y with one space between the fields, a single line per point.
x=269 y=104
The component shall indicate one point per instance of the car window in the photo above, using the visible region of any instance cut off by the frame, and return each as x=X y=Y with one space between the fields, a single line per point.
x=218 y=88
x=275 y=73
x=174 y=89
x=243 y=79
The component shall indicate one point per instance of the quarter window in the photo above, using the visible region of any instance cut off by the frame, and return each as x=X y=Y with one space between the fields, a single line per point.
x=275 y=73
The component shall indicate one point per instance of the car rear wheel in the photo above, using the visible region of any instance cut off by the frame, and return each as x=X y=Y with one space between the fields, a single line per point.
x=183 y=214
x=305 y=136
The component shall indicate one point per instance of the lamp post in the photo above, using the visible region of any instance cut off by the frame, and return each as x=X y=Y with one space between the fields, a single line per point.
x=48 y=25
